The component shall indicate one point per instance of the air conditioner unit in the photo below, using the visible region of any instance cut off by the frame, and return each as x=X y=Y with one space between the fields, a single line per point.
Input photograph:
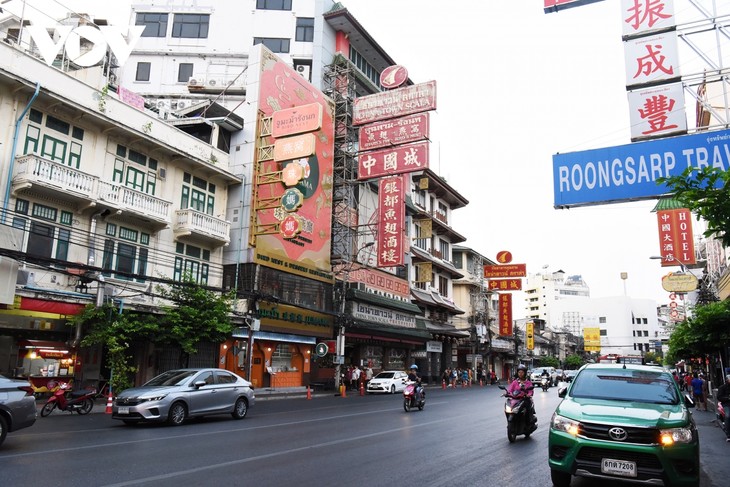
x=214 y=82
x=196 y=82
x=182 y=104
x=161 y=173
x=163 y=104
x=304 y=70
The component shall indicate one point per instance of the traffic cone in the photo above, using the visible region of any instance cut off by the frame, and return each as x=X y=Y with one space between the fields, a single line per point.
x=343 y=390
x=443 y=384
x=362 y=389
x=109 y=404
x=309 y=393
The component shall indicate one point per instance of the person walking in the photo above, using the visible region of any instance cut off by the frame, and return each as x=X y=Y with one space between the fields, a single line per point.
x=355 y=377
x=696 y=385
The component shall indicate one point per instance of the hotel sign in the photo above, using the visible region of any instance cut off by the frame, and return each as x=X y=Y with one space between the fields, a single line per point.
x=394 y=103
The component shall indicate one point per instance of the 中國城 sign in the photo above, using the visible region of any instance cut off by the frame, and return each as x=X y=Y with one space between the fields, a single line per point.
x=630 y=172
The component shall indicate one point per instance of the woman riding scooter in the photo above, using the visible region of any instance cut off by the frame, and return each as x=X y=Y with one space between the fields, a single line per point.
x=522 y=385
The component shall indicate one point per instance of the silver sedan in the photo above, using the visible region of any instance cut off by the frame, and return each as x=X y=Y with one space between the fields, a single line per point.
x=177 y=395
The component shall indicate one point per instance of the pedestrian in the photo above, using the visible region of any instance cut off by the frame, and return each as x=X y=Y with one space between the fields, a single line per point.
x=446 y=376
x=723 y=401
x=696 y=385
x=494 y=377
x=348 y=377
x=368 y=375
x=687 y=382
x=454 y=375
x=355 y=377
x=464 y=377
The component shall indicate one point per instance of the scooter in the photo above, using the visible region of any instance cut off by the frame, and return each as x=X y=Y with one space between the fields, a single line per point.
x=545 y=384
x=81 y=402
x=515 y=409
x=409 y=396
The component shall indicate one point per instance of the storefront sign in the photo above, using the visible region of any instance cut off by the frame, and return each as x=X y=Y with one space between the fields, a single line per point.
x=505 y=314
x=376 y=314
x=394 y=103
x=507 y=270
x=657 y=111
x=680 y=283
x=434 y=346
x=379 y=280
x=393 y=76
x=296 y=120
x=651 y=59
x=505 y=284
x=394 y=132
x=592 y=339
x=396 y=160
x=294 y=147
x=391 y=221
x=642 y=17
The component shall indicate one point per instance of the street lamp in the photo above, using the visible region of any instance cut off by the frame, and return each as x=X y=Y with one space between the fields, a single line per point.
x=340 y=343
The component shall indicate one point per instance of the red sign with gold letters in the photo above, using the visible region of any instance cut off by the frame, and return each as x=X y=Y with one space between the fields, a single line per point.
x=505 y=315
x=391 y=221
x=676 y=242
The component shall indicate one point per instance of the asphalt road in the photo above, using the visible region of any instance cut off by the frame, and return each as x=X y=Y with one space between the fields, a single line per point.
x=459 y=439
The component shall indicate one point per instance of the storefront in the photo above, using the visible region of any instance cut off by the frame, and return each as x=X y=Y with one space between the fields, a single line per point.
x=279 y=354
x=45 y=363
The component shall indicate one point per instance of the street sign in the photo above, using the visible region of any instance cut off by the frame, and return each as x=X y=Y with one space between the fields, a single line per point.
x=321 y=349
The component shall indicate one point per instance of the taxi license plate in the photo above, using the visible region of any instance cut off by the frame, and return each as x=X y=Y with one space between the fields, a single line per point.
x=123 y=410
x=618 y=467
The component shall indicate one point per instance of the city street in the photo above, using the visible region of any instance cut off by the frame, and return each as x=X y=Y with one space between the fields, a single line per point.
x=459 y=439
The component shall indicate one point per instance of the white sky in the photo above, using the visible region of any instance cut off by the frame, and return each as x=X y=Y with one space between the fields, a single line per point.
x=516 y=86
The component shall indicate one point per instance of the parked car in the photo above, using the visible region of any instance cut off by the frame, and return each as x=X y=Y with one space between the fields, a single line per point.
x=624 y=422
x=17 y=406
x=177 y=395
x=391 y=381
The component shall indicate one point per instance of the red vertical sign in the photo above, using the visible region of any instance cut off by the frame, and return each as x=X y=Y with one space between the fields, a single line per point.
x=676 y=242
x=505 y=314
x=391 y=220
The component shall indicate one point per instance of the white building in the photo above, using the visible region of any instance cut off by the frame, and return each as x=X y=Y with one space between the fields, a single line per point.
x=543 y=289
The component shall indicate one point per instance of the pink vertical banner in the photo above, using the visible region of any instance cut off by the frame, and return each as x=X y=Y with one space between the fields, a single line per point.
x=391 y=221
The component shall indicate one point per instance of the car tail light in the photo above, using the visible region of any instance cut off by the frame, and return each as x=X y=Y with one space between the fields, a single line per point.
x=28 y=390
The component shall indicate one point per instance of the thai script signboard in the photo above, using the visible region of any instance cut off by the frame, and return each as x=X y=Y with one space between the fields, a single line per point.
x=394 y=103
x=393 y=132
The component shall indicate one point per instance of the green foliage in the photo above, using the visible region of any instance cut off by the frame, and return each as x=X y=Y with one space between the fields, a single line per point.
x=705 y=332
x=651 y=357
x=696 y=189
x=549 y=362
x=574 y=362
x=196 y=315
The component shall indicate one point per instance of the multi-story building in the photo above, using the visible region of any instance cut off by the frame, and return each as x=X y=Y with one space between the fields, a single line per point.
x=543 y=289
x=102 y=200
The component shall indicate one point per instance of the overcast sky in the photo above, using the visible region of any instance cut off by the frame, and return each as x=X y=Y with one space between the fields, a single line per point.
x=516 y=86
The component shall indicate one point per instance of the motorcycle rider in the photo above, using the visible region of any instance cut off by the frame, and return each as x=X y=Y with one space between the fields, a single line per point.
x=413 y=377
x=545 y=375
x=520 y=387
x=723 y=397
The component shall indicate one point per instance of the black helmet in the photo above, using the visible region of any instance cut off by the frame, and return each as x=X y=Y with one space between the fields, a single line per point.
x=522 y=367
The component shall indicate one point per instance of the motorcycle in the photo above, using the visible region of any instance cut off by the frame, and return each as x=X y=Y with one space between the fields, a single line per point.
x=545 y=384
x=515 y=409
x=81 y=402
x=409 y=396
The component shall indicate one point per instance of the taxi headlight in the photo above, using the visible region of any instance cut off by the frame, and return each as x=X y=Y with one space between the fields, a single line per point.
x=669 y=437
x=561 y=423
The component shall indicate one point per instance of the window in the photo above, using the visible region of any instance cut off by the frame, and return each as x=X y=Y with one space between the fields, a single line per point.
x=274 y=44
x=44 y=239
x=273 y=4
x=444 y=249
x=190 y=26
x=128 y=257
x=54 y=139
x=143 y=72
x=132 y=169
x=443 y=286
x=281 y=358
x=155 y=24
x=305 y=29
x=185 y=72
x=192 y=263
x=362 y=64
x=197 y=194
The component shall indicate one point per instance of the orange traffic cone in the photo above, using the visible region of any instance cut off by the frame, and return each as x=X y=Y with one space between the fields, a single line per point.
x=309 y=393
x=109 y=404
x=443 y=384
x=362 y=389
x=343 y=390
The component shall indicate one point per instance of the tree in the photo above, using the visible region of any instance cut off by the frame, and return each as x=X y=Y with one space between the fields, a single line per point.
x=574 y=362
x=549 y=362
x=194 y=315
x=707 y=194
x=707 y=331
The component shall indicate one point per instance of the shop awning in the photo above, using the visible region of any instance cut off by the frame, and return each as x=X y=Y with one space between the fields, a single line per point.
x=277 y=337
x=42 y=344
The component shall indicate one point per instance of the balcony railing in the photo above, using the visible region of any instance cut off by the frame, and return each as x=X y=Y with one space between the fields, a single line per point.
x=34 y=170
x=192 y=222
x=69 y=183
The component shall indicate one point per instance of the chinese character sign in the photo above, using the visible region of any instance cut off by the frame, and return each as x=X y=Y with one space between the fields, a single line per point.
x=676 y=242
x=657 y=111
x=393 y=132
x=530 y=335
x=641 y=16
x=505 y=284
x=391 y=221
x=397 y=160
x=652 y=59
x=505 y=315
x=592 y=339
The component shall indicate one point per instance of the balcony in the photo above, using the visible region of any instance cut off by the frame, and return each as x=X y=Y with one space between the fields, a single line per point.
x=53 y=179
x=199 y=226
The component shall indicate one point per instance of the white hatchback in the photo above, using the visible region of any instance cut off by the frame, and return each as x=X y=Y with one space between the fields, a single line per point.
x=391 y=381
